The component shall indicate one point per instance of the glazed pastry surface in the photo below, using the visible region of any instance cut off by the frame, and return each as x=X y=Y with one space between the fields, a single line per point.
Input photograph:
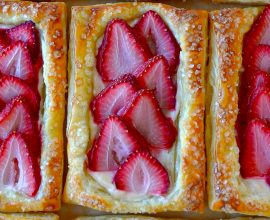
x=50 y=20
x=227 y=190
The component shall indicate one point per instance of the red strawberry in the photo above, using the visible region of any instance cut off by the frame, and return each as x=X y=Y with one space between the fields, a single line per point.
x=120 y=51
x=11 y=87
x=260 y=59
x=258 y=34
x=144 y=114
x=4 y=41
x=16 y=61
x=155 y=74
x=25 y=32
x=112 y=146
x=113 y=98
x=159 y=37
x=254 y=155
x=16 y=117
x=18 y=168
x=252 y=84
x=260 y=107
x=142 y=173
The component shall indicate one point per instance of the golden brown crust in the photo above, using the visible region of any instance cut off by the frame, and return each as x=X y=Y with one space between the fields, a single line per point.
x=43 y=216
x=227 y=190
x=254 y=2
x=50 y=19
x=120 y=217
x=189 y=28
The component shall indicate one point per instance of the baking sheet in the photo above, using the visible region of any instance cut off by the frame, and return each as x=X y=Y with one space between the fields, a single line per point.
x=70 y=211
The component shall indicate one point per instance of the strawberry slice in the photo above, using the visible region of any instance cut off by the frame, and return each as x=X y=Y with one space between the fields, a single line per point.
x=113 y=98
x=18 y=168
x=260 y=59
x=142 y=173
x=16 y=61
x=159 y=37
x=12 y=87
x=252 y=84
x=112 y=146
x=16 y=117
x=120 y=51
x=155 y=74
x=4 y=41
x=260 y=107
x=254 y=156
x=144 y=114
x=258 y=34
x=25 y=32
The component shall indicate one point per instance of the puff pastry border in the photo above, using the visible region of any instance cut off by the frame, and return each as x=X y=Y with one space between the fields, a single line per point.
x=226 y=189
x=50 y=19
x=190 y=28
x=37 y=216
x=254 y=2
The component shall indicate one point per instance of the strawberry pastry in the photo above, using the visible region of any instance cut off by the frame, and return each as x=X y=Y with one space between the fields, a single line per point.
x=239 y=115
x=135 y=122
x=32 y=102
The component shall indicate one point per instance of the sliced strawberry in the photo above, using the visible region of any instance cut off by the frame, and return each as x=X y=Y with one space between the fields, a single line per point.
x=4 y=41
x=16 y=61
x=155 y=74
x=258 y=34
x=254 y=155
x=16 y=117
x=18 y=168
x=260 y=59
x=142 y=173
x=260 y=107
x=159 y=37
x=112 y=146
x=11 y=87
x=120 y=51
x=144 y=114
x=113 y=98
x=25 y=32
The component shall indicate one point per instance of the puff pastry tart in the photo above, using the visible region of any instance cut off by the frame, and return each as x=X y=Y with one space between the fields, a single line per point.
x=135 y=115
x=254 y=2
x=32 y=103
x=238 y=113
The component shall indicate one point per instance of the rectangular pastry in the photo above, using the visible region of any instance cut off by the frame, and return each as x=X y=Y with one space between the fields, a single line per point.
x=134 y=114
x=237 y=114
x=32 y=105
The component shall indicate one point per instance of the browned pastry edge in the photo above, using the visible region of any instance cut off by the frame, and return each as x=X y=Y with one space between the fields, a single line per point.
x=226 y=188
x=50 y=19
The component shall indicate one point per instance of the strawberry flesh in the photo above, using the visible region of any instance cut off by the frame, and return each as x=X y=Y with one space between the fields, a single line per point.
x=254 y=156
x=15 y=60
x=258 y=34
x=159 y=37
x=16 y=117
x=260 y=107
x=12 y=87
x=260 y=59
x=112 y=146
x=120 y=52
x=18 y=167
x=27 y=33
x=144 y=114
x=143 y=174
x=155 y=75
x=112 y=99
